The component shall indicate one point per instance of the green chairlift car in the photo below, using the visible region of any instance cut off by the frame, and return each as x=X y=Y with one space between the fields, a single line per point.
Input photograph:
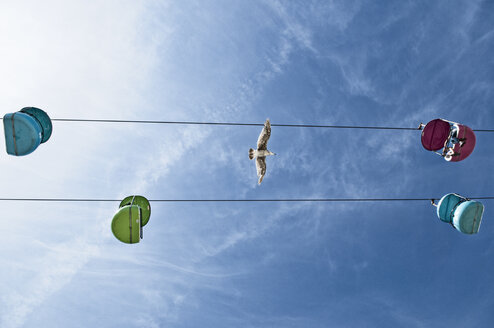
x=133 y=214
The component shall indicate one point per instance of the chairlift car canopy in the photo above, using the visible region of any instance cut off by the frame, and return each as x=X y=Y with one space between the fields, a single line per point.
x=43 y=119
x=142 y=202
x=435 y=134
x=23 y=134
x=126 y=224
x=464 y=148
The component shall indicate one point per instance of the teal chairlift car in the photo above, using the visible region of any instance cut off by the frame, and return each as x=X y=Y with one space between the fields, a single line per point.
x=463 y=214
x=26 y=130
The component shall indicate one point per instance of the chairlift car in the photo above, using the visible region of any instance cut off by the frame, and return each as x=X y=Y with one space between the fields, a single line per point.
x=453 y=141
x=25 y=130
x=463 y=214
x=133 y=214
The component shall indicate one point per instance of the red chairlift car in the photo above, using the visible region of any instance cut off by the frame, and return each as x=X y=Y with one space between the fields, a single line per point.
x=451 y=140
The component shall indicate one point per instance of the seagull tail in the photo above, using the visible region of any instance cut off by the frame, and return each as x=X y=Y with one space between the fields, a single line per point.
x=251 y=153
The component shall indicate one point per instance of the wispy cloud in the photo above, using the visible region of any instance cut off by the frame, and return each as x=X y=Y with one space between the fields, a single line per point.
x=260 y=264
x=71 y=67
x=54 y=271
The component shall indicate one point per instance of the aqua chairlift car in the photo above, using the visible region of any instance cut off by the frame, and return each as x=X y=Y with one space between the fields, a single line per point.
x=463 y=214
x=26 y=130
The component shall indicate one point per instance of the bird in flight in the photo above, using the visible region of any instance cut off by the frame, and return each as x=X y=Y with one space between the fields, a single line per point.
x=262 y=151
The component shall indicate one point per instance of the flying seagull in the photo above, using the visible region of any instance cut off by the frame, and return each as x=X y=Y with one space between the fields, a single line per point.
x=262 y=151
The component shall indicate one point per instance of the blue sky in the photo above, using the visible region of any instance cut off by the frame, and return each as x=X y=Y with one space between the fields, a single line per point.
x=246 y=265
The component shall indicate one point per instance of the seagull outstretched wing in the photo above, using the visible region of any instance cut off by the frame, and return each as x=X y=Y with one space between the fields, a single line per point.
x=262 y=142
x=261 y=168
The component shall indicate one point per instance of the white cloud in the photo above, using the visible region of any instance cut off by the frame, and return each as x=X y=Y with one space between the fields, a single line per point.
x=294 y=29
x=98 y=61
x=54 y=270
x=73 y=59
